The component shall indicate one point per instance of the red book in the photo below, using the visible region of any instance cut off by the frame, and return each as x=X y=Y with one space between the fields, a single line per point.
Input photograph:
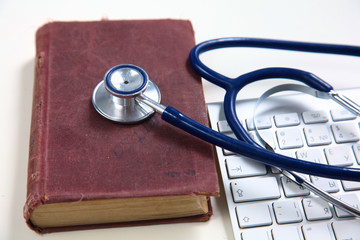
x=85 y=171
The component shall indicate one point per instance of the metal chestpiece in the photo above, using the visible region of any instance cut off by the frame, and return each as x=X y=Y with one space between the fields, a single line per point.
x=115 y=96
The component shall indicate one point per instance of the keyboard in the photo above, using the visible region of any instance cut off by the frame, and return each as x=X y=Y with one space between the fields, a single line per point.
x=265 y=205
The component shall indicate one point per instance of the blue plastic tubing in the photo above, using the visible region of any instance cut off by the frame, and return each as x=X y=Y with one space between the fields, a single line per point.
x=233 y=85
x=246 y=146
x=266 y=73
x=177 y=119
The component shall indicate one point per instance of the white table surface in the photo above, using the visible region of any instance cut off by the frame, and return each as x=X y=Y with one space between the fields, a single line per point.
x=315 y=21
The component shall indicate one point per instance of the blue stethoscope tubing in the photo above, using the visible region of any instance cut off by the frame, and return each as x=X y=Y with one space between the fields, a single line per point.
x=245 y=145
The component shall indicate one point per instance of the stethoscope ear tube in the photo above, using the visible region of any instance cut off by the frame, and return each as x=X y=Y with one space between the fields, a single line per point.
x=177 y=119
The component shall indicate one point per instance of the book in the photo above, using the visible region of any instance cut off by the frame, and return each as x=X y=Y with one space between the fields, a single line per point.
x=85 y=171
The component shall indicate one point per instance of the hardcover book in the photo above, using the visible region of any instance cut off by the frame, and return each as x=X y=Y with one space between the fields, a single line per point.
x=85 y=171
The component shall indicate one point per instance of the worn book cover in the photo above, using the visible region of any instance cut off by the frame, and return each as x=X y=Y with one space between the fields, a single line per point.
x=85 y=171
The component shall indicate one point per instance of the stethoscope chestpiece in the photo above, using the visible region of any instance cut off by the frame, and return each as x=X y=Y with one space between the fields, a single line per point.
x=115 y=96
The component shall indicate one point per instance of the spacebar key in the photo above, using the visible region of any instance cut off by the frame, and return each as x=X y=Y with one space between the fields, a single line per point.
x=254 y=189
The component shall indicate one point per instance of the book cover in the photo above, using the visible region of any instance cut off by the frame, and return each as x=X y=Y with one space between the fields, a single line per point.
x=87 y=170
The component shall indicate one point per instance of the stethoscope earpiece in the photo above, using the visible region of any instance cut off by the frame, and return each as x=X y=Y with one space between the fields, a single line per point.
x=114 y=97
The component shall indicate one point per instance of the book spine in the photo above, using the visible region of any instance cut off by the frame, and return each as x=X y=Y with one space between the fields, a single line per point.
x=35 y=192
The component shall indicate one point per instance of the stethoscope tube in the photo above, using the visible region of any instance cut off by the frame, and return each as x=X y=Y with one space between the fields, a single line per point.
x=234 y=85
x=177 y=119
x=223 y=81
x=244 y=144
x=288 y=166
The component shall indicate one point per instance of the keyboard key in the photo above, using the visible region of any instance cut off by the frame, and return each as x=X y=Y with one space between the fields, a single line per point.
x=311 y=155
x=289 y=138
x=287 y=212
x=347 y=230
x=351 y=199
x=256 y=234
x=316 y=209
x=311 y=117
x=227 y=152
x=350 y=185
x=285 y=232
x=253 y=215
x=326 y=184
x=317 y=135
x=224 y=127
x=266 y=136
x=286 y=119
x=341 y=114
x=262 y=122
x=247 y=189
x=317 y=231
x=345 y=132
x=340 y=156
x=292 y=189
x=239 y=166
x=356 y=149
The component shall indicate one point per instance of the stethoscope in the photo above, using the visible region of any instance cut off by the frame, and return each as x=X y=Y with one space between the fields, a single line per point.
x=126 y=95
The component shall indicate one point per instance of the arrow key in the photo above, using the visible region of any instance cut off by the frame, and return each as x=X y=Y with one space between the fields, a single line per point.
x=239 y=166
x=253 y=215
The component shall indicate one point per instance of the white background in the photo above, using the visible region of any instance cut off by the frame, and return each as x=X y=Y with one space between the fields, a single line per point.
x=314 y=21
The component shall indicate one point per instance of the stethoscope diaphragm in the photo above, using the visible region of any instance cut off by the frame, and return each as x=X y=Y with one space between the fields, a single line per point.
x=114 y=97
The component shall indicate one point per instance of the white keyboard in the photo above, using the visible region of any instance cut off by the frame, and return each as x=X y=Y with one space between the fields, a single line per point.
x=263 y=204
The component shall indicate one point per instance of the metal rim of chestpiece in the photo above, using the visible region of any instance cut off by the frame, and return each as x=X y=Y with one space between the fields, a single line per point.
x=114 y=97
